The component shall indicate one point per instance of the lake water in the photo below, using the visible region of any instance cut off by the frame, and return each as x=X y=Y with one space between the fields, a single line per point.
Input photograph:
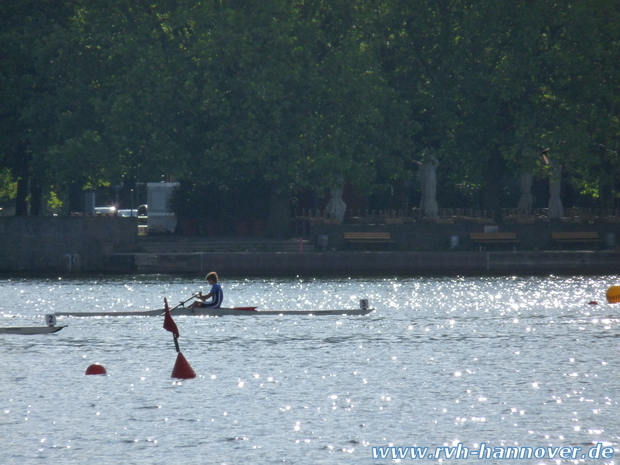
x=520 y=362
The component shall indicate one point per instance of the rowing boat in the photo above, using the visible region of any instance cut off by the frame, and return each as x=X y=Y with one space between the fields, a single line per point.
x=105 y=314
x=247 y=311
x=236 y=311
x=31 y=329
x=253 y=312
x=51 y=327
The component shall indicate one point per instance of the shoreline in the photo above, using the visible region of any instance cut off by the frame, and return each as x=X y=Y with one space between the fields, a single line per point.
x=452 y=263
x=75 y=246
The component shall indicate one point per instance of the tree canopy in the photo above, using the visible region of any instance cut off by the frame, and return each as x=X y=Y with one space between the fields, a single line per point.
x=307 y=95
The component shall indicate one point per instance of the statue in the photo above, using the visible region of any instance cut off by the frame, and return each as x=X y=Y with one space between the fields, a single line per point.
x=336 y=206
x=428 y=185
x=556 y=209
x=526 y=200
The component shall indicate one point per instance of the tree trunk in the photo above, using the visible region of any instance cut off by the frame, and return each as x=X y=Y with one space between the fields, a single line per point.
x=278 y=223
x=21 y=204
x=75 y=196
x=606 y=186
x=556 y=209
x=22 y=172
x=494 y=173
x=36 y=198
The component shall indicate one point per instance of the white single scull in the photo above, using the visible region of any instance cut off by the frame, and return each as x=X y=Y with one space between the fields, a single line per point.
x=134 y=313
x=235 y=311
x=50 y=328
x=30 y=329
x=254 y=312
x=248 y=311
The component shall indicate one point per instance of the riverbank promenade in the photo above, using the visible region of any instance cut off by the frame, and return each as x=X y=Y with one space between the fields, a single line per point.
x=331 y=263
x=79 y=245
x=299 y=257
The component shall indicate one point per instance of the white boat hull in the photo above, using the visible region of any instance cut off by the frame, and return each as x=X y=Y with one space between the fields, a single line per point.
x=219 y=312
x=102 y=314
x=31 y=329
x=238 y=312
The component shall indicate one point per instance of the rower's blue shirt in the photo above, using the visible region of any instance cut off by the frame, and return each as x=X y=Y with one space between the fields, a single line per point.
x=216 y=299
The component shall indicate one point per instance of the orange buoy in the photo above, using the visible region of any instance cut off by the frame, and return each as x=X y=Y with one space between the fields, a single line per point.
x=182 y=368
x=613 y=294
x=96 y=369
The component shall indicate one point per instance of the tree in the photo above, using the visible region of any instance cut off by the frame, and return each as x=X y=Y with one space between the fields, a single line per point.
x=25 y=93
x=121 y=106
x=493 y=83
x=586 y=87
x=307 y=94
x=298 y=101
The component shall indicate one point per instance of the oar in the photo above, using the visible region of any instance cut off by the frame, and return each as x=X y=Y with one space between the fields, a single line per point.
x=185 y=301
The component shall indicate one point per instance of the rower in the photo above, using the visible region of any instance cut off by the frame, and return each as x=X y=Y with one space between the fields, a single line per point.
x=216 y=294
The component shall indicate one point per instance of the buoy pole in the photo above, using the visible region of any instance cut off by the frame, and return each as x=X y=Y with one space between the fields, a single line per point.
x=182 y=368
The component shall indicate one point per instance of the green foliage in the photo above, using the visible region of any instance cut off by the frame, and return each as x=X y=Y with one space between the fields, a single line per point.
x=308 y=94
x=53 y=202
x=8 y=185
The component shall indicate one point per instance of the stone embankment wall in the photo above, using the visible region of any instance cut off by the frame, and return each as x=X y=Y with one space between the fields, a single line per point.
x=379 y=263
x=69 y=245
x=437 y=237
x=63 y=244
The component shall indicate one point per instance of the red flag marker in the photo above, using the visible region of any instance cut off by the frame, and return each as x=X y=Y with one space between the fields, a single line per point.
x=169 y=324
x=182 y=369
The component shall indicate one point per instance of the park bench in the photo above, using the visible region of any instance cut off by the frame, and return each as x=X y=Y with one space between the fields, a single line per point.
x=576 y=236
x=368 y=237
x=359 y=238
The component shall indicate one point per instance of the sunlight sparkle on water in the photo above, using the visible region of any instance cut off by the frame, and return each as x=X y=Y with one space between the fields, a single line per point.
x=508 y=360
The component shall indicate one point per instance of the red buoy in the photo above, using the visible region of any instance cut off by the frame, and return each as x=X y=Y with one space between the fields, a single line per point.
x=96 y=369
x=182 y=368
x=593 y=302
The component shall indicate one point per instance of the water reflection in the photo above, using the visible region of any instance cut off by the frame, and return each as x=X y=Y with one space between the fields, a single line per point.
x=504 y=361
